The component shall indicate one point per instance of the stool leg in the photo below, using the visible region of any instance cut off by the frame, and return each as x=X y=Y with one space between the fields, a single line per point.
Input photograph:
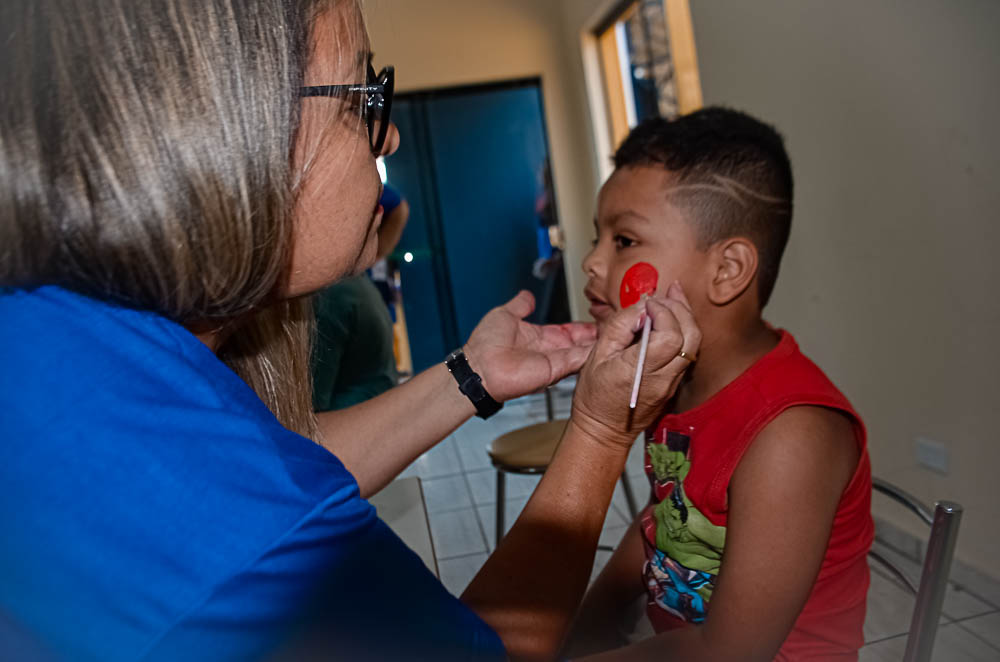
x=501 y=501
x=629 y=498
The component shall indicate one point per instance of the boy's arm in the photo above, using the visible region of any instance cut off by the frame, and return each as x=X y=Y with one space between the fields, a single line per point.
x=614 y=590
x=783 y=498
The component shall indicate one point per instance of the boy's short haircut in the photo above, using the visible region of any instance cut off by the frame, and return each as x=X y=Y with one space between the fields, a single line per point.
x=733 y=177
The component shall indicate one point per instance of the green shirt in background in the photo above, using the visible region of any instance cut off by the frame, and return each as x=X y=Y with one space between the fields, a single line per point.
x=352 y=359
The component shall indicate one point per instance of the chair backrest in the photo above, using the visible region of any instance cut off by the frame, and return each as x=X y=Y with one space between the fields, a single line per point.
x=943 y=521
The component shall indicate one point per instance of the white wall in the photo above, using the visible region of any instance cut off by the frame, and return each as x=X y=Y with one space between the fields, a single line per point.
x=890 y=111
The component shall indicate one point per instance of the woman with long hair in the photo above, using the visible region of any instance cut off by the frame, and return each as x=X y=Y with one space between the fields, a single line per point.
x=176 y=178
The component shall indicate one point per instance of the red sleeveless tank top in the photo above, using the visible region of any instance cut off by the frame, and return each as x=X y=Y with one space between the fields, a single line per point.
x=690 y=458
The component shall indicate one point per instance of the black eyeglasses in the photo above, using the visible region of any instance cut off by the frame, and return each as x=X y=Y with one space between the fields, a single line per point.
x=376 y=95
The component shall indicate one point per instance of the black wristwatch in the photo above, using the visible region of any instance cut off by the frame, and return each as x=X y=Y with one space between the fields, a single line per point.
x=471 y=384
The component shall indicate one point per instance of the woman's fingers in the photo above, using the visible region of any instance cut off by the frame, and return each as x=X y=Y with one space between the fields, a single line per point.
x=674 y=329
x=602 y=392
x=566 y=361
x=676 y=292
x=684 y=319
x=619 y=332
x=665 y=338
x=581 y=333
x=521 y=305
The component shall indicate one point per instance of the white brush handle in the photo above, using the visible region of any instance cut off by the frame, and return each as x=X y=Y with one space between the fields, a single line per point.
x=643 y=344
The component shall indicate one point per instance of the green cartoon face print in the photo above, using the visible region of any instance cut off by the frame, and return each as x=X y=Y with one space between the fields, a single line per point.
x=681 y=572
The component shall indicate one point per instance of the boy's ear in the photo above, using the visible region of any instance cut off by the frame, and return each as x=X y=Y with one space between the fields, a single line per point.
x=734 y=268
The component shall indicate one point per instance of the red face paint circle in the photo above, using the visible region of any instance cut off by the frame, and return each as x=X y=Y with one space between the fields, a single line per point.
x=639 y=279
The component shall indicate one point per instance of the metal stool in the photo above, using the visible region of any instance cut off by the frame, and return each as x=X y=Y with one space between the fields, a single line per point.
x=529 y=450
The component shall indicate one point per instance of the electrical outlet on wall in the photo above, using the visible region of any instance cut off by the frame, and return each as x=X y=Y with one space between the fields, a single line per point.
x=932 y=455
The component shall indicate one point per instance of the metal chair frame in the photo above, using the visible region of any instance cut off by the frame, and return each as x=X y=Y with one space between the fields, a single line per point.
x=944 y=521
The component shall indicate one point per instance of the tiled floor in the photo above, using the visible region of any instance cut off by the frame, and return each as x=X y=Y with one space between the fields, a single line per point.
x=460 y=491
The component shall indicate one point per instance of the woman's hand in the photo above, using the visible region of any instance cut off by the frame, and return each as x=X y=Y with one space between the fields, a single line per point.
x=601 y=403
x=515 y=357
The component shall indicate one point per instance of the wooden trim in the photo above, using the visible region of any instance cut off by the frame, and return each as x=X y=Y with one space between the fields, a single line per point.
x=617 y=13
x=682 y=49
x=614 y=89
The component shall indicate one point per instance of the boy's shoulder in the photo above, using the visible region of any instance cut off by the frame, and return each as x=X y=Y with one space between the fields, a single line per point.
x=799 y=420
x=805 y=440
x=783 y=394
x=782 y=378
x=788 y=373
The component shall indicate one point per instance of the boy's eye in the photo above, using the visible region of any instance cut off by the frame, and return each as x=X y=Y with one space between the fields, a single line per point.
x=623 y=242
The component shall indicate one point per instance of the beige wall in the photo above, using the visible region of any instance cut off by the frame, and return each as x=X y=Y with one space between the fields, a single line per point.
x=890 y=113
x=438 y=43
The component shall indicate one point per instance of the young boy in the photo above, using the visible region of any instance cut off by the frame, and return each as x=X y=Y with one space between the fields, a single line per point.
x=754 y=543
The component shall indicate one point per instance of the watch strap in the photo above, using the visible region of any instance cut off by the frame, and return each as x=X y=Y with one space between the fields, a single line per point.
x=471 y=385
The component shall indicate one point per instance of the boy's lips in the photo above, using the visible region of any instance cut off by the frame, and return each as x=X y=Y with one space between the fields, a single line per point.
x=598 y=306
x=599 y=310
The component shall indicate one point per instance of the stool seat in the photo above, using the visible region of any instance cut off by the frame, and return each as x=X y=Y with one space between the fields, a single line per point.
x=528 y=449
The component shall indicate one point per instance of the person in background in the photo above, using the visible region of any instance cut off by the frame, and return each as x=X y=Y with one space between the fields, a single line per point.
x=353 y=358
x=553 y=305
x=382 y=273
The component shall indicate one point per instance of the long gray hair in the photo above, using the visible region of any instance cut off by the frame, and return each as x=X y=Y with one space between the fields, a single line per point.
x=145 y=159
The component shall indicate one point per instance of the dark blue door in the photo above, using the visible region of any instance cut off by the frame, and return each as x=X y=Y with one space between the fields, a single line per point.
x=470 y=163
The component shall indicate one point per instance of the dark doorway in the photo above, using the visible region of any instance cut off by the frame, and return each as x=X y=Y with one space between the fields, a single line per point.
x=473 y=164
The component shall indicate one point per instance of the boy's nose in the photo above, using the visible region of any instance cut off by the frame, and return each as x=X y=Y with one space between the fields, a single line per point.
x=591 y=264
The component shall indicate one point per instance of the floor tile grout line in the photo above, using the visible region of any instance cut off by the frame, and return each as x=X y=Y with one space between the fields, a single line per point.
x=618 y=510
x=956 y=588
x=442 y=476
x=976 y=634
x=457 y=557
x=461 y=464
x=969 y=618
x=479 y=520
x=889 y=638
x=450 y=509
x=965 y=588
x=475 y=506
x=957 y=622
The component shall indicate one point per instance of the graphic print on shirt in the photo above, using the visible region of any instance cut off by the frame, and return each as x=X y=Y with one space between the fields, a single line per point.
x=683 y=548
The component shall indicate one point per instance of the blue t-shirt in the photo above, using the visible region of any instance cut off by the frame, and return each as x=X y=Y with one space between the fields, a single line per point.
x=152 y=508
